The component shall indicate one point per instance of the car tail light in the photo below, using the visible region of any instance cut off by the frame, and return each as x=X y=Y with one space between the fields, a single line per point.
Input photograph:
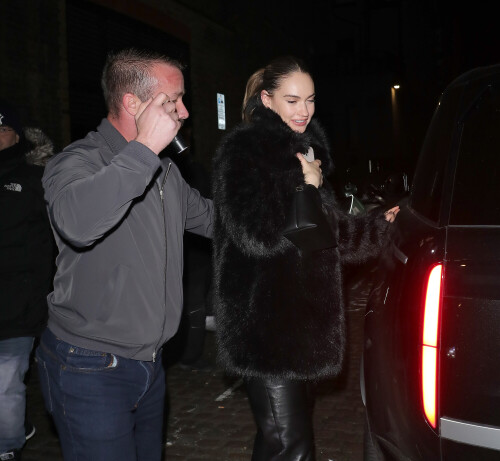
x=430 y=343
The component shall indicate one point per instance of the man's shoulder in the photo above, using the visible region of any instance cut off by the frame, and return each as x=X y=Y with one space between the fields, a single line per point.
x=88 y=147
x=89 y=143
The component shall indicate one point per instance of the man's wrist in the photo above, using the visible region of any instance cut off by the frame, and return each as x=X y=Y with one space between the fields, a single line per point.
x=143 y=153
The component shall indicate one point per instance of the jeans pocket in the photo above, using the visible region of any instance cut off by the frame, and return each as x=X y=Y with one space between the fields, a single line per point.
x=43 y=373
x=81 y=360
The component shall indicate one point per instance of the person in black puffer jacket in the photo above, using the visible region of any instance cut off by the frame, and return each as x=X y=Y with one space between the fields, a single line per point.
x=26 y=267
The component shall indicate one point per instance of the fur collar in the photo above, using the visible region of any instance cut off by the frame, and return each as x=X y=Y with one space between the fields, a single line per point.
x=42 y=147
x=283 y=143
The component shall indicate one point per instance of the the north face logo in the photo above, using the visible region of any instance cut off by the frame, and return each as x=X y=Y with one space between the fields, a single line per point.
x=14 y=187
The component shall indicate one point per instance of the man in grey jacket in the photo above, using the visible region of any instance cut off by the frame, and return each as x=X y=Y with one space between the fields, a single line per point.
x=118 y=211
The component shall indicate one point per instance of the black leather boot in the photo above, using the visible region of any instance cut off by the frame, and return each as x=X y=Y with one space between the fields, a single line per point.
x=195 y=334
x=283 y=414
x=11 y=455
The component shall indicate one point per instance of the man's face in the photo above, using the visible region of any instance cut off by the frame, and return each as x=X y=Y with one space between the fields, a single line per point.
x=8 y=137
x=171 y=82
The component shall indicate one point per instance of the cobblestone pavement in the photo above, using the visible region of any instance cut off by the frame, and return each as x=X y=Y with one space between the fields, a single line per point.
x=209 y=418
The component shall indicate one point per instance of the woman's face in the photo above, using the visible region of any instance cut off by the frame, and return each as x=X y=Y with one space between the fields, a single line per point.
x=293 y=100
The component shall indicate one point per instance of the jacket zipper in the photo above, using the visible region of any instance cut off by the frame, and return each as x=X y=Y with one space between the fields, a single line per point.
x=162 y=198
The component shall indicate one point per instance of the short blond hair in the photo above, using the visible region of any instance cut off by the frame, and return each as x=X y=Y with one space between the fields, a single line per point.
x=130 y=71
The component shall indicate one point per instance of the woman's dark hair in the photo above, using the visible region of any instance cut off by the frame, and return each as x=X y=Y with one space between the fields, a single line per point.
x=269 y=78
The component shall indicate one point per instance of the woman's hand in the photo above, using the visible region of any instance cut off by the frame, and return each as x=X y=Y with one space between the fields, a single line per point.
x=390 y=215
x=311 y=170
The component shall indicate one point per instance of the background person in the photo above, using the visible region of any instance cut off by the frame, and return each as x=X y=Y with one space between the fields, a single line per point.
x=187 y=346
x=118 y=212
x=197 y=277
x=279 y=313
x=26 y=262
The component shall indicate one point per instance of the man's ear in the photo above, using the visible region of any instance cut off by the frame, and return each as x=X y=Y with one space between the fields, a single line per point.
x=131 y=103
x=266 y=98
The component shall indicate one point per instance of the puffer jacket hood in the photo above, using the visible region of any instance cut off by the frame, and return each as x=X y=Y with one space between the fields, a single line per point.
x=41 y=147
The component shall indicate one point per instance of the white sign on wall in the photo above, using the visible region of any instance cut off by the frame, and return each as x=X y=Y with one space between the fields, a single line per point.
x=221 y=111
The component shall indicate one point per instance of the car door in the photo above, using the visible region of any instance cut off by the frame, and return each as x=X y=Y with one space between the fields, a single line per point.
x=394 y=318
x=470 y=325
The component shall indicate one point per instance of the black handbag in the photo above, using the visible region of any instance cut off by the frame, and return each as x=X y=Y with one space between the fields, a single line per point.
x=306 y=225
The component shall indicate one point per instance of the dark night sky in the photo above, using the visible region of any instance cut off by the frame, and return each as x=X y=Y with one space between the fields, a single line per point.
x=424 y=43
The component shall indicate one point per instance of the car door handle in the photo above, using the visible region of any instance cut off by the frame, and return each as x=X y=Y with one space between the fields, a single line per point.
x=400 y=255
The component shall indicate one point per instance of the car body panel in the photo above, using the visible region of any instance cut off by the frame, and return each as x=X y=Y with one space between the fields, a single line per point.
x=470 y=353
x=391 y=367
x=452 y=217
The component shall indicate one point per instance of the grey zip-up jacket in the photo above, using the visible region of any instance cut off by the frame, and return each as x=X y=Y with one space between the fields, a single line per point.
x=118 y=213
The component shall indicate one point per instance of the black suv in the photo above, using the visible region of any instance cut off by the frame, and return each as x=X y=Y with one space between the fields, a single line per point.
x=430 y=376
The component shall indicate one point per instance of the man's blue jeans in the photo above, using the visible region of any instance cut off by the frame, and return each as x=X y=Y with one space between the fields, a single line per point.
x=105 y=407
x=14 y=363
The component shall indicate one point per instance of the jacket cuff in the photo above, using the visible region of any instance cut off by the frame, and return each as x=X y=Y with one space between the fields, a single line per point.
x=142 y=154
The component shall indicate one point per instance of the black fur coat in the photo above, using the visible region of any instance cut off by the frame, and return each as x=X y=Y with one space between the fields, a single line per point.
x=279 y=313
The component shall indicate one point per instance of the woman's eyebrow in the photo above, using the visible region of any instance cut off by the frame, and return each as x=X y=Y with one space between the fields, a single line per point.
x=297 y=97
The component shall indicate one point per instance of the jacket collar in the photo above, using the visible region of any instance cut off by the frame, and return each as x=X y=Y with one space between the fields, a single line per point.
x=272 y=129
x=112 y=136
x=116 y=142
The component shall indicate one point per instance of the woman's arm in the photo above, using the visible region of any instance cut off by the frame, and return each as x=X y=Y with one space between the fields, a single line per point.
x=363 y=237
x=251 y=198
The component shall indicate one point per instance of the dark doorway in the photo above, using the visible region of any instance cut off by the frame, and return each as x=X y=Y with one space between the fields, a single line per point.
x=92 y=32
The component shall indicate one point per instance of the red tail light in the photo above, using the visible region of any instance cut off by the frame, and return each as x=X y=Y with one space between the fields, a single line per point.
x=430 y=343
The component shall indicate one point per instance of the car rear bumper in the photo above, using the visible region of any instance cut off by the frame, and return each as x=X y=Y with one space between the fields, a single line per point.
x=470 y=433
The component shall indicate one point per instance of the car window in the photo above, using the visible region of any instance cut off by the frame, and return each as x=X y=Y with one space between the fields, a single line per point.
x=427 y=188
x=477 y=178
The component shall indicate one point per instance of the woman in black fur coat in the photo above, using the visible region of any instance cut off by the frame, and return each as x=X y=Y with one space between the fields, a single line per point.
x=279 y=312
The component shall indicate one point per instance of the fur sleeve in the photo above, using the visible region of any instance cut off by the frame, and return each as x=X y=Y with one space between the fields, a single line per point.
x=362 y=237
x=250 y=196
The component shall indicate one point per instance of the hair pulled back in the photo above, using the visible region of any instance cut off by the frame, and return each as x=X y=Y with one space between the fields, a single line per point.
x=269 y=78
x=130 y=71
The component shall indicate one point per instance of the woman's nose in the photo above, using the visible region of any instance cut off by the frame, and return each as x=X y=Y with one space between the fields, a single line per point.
x=303 y=109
